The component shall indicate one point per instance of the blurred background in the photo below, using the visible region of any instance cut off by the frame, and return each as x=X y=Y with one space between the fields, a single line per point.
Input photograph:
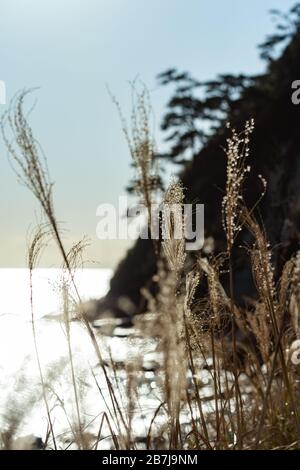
x=76 y=50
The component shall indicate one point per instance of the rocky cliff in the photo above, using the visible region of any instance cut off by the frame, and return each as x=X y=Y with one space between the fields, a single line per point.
x=275 y=154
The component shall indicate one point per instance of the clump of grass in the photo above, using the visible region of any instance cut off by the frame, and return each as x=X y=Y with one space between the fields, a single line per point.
x=31 y=168
x=236 y=418
x=251 y=395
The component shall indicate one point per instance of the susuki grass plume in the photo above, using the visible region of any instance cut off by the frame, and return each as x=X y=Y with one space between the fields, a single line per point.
x=140 y=140
x=173 y=244
x=237 y=152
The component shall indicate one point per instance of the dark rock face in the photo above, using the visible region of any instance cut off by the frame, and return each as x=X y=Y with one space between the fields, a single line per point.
x=134 y=272
x=275 y=154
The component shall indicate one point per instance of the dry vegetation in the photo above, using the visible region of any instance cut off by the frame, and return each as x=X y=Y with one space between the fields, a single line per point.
x=255 y=391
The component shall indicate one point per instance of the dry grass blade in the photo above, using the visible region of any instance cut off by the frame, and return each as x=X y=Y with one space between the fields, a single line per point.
x=36 y=246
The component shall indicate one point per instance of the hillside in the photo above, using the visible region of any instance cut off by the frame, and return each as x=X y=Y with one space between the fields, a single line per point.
x=275 y=154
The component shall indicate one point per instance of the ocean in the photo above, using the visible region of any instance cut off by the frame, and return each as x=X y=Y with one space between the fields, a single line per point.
x=21 y=401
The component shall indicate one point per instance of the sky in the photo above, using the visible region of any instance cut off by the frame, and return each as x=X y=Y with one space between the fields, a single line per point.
x=74 y=50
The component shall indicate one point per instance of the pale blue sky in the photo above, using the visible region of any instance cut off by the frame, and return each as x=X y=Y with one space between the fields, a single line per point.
x=73 y=49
